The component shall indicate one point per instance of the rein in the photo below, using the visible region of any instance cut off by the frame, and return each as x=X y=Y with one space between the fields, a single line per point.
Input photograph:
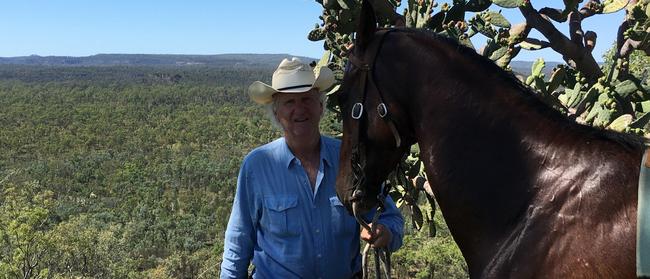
x=358 y=159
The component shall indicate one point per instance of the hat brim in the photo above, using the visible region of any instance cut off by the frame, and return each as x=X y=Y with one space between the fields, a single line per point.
x=262 y=93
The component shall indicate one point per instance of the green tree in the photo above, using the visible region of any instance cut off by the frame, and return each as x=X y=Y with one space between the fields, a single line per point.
x=115 y=172
x=24 y=230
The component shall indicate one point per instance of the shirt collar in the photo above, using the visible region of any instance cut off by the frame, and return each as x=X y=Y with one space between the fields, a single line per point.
x=326 y=155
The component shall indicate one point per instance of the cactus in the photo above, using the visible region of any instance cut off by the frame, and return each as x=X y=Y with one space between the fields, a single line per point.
x=418 y=13
x=477 y=5
x=619 y=124
x=625 y=88
x=558 y=76
x=508 y=3
x=610 y=6
x=577 y=88
x=497 y=19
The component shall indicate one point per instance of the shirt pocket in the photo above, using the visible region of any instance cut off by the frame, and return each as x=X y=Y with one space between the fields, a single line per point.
x=282 y=218
x=342 y=222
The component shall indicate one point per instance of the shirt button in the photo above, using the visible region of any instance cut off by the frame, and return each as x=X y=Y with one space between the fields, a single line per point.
x=317 y=230
x=319 y=256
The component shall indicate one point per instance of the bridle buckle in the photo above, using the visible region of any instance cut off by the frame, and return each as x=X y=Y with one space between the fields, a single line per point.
x=357 y=111
x=382 y=110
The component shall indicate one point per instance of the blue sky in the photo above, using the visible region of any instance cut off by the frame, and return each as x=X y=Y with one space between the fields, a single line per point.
x=87 y=27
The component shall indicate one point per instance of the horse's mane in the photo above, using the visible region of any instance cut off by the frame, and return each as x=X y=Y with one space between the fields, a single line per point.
x=630 y=141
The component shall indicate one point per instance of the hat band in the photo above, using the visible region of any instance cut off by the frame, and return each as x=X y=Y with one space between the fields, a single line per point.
x=293 y=87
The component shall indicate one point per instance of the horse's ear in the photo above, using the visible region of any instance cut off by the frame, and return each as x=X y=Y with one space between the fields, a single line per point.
x=367 y=25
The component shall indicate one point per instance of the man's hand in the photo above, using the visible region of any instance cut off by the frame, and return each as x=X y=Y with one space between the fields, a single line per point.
x=380 y=238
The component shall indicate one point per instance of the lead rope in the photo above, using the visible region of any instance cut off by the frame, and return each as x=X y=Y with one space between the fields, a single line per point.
x=382 y=255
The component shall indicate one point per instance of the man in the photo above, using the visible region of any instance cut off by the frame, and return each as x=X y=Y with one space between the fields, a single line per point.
x=286 y=216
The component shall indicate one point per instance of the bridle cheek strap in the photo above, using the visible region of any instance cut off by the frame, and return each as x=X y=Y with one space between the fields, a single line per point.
x=398 y=140
x=361 y=64
x=358 y=148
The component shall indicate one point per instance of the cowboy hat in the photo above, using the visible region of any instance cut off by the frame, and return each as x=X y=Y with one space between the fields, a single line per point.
x=291 y=76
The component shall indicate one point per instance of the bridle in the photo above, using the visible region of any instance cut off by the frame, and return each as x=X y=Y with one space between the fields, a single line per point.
x=358 y=147
x=358 y=160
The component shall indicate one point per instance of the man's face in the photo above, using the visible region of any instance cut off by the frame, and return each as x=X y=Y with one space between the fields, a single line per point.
x=299 y=113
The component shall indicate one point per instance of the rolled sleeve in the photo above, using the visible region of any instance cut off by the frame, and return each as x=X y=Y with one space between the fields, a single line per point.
x=393 y=220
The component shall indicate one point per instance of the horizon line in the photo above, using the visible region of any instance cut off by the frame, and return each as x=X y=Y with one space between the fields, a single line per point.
x=216 y=54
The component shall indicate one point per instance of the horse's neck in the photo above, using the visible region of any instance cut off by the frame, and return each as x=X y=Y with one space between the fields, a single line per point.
x=493 y=160
x=487 y=164
x=478 y=151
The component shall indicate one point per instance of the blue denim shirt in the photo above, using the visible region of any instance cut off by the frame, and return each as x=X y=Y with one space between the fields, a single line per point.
x=288 y=230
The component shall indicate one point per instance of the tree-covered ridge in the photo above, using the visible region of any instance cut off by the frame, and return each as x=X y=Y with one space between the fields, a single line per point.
x=104 y=179
x=218 y=60
x=126 y=75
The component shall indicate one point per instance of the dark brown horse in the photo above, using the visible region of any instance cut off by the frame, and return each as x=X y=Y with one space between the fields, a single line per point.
x=525 y=191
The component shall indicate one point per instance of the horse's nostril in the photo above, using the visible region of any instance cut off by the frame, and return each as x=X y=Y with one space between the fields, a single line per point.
x=357 y=194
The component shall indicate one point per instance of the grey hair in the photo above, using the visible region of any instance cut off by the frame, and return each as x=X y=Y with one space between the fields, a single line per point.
x=272 y=107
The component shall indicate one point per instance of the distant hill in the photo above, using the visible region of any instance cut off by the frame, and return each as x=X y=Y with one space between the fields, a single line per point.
x=221 y=60
x=241 y=60
x=524 y=67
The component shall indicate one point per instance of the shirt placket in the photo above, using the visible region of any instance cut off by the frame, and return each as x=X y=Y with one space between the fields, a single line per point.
x=321 y=205
x=316 y=217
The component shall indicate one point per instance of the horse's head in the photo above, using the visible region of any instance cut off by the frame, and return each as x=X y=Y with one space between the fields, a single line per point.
x=372 y=143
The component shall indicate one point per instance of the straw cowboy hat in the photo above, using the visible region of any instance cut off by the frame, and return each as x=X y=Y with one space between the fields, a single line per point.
x=291 y=76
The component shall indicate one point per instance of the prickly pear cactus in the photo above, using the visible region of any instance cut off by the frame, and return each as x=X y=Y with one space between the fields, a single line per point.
x=579 y=89
x=638 y=34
